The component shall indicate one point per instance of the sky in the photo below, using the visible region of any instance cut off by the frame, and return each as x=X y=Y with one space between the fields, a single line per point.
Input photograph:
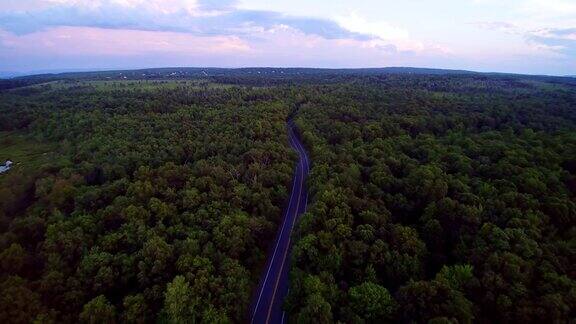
x=518 y=36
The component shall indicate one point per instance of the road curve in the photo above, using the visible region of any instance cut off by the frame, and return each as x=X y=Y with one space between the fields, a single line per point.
x=267 y=304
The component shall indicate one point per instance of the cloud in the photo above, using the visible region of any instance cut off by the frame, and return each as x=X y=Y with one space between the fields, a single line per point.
x=561 y=40
x=498 y=25
x=558 y=40
x=217 y=5
x=545 y=25
x=383 y=33
x=568 y=34
x=198 y=32
x=94 y=41
x=207 y=17
x=282 y=45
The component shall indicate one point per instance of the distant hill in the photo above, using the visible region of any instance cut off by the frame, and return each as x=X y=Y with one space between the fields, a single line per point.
x=8 y=74
x=256 y=76
x=175 y=72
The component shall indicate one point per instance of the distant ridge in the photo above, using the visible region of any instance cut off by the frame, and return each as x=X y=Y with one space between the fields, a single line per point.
x=202 y=71
x=8 y=75
x=278 y=75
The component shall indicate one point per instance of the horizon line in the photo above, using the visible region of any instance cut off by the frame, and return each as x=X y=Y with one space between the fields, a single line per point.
x=41 y=72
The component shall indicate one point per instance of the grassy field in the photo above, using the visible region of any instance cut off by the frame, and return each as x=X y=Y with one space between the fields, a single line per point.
x=27 y=154
x=105 y=85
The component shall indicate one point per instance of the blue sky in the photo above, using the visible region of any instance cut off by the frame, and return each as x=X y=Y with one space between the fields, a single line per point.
x=521 y=36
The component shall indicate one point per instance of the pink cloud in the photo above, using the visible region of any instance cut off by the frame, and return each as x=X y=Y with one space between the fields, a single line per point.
x=65 y=41
x=280 y=45
x=289 y=46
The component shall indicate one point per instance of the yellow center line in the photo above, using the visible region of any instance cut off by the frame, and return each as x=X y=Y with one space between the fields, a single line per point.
x=287 y=247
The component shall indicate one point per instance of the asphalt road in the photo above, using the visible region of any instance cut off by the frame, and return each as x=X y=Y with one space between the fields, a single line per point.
x=273 y=287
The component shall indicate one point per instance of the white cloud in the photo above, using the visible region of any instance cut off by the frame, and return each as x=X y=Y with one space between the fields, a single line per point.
x=382 y=29
x=385 y=33
x=388 y=36
x=568 y=34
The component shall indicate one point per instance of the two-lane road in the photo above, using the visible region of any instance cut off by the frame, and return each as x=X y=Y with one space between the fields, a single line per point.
x=267 y=304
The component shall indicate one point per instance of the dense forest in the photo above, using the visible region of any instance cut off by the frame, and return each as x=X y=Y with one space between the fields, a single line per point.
x=161 y=205
x=440 y=200
x=434 y=197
